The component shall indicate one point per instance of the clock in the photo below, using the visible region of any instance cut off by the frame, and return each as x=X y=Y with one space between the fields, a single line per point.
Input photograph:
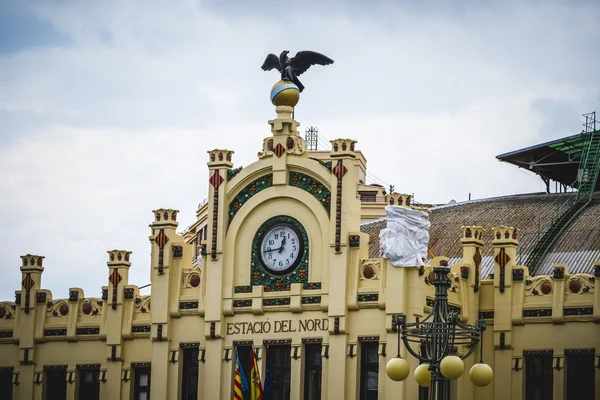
x=281 y=248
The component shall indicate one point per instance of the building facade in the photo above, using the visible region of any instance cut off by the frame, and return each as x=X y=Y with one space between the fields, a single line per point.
x=281 y=262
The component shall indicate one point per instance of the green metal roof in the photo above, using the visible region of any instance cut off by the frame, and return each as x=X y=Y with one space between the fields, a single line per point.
x=557 y=160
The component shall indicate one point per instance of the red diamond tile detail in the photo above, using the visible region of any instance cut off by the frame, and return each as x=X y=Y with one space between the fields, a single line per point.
x=28 y=282
x=279 y=150
x=339 y=170
x=502 y=258
x=477 y=258
x=115 y=278
x=216 y=179
x=161 y=239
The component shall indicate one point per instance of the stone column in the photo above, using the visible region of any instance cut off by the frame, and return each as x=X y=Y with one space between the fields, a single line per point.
x=118 y=277
x=505 y=244
x=31 y=280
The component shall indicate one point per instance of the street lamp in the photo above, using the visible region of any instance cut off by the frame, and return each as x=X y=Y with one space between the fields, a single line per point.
x=437 y=337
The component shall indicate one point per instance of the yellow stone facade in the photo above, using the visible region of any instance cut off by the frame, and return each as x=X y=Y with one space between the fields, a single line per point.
x=211 y=292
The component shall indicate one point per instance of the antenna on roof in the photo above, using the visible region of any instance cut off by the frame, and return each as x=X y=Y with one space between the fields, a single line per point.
x=590 y=122
x=311 y=136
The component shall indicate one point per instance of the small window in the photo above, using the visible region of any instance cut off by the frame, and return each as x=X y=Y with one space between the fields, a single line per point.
x=6 y=386
x=368 y=197
x=580 y=375
x=141 y=390
x=189 y=390
x=312 y=372
x=89 y=383
x=538 y=375
x=369 y=370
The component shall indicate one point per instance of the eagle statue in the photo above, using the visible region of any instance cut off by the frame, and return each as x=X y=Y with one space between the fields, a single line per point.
x=290 y=68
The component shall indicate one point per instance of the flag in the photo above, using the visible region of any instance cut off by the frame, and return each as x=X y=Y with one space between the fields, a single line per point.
x=268 y=392
x=245 y=386
x=256 y=391
x=241 y=384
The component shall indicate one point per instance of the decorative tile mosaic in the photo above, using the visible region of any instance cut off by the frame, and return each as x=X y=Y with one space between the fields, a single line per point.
x=311 y=300
x=140 y=329
x=532 y=313
x=188 y=305
x=367 y=297
x=278 y=301
x=248 y=192
x=312 y=186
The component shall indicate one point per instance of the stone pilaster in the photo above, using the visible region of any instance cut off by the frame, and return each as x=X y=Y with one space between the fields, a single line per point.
x=336 y=383
x=398 y=199
x=297 y=378
x=597 y=296
x=404 y=295
x=163 y=272
x=345 y=218
x=472 y=245
x=219 y=163
x=31 y=280
x=559 y=272
x=470 y=276
x=285 y=141
x=118 y=277
x=505 y=242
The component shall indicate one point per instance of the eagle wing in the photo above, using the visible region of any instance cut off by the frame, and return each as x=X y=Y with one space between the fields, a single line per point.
x=304 y=59
x=272 y=61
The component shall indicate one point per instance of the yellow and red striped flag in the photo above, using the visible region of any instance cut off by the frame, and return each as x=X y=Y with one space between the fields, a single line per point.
x=237 y=385
x=256 y=390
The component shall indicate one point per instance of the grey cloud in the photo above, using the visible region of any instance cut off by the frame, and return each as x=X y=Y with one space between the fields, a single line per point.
x=112 y=116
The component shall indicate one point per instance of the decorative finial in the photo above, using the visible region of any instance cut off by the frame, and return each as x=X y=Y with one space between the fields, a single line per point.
x=287 y=91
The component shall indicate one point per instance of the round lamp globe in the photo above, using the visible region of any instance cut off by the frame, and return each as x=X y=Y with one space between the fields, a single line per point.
x=481 y=374
x=397 y=369
x=423 y=375
x=452 y=367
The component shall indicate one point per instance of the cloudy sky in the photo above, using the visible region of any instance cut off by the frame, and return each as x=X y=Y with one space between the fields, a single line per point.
x=107 y=108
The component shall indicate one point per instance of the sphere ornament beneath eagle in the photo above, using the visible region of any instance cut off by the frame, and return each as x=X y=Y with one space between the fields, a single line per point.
x=287 y=91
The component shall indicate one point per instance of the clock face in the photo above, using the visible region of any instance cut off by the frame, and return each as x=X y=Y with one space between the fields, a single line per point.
x=281 y=248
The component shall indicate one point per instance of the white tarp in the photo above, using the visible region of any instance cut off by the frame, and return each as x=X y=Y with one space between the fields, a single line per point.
x=404 y=241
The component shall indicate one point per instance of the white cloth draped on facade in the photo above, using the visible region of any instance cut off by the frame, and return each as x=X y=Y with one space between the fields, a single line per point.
x=404 y=241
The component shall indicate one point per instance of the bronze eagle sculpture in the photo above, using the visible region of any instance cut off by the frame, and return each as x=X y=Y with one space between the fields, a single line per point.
x=290 y=68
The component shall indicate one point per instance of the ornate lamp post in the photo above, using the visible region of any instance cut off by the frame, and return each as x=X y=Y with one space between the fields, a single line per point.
x=436 y=338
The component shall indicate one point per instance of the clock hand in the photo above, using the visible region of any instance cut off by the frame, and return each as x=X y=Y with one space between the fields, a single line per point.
x=273 y=249
x=282 y=243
